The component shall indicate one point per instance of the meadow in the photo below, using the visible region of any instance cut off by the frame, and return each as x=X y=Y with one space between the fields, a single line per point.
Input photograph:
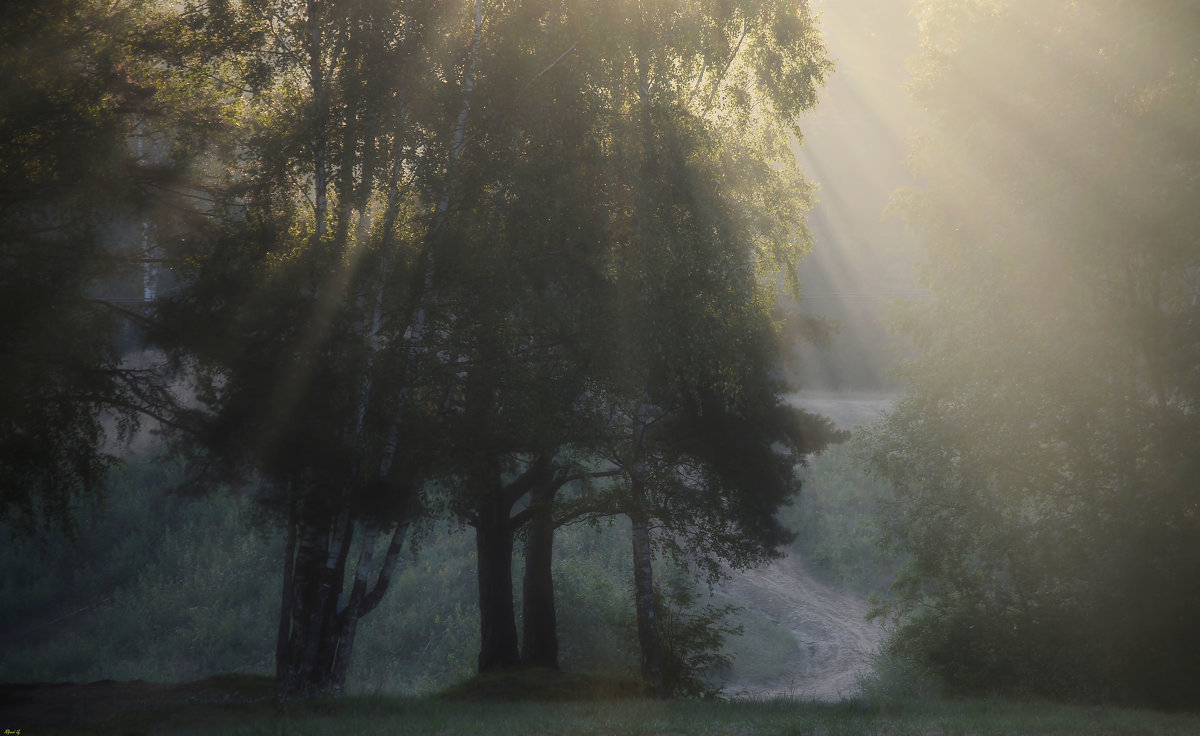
x=175 y=710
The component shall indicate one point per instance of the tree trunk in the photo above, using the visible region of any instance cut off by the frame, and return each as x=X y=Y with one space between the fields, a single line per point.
x=313 y=647
x=539 y=645
x=300 y=599
x=331 y=619
x=643 y=585
x=361 y=602
x=317 y=632
x=320 y=142
x=310 y=631
x=347 y=620
x=497 y=622
x=283 y=636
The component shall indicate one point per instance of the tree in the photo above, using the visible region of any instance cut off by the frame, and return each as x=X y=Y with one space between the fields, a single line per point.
x=1044 y=453
x=714 y=206
x=606 y=180
x=305 y=317
x=90 y=149
x=432 y=240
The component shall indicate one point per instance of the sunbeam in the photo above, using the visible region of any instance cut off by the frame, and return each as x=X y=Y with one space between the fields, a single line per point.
x=854 y=148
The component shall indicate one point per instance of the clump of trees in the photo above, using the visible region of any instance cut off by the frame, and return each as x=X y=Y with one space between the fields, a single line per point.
x=439 y=259
x=82 y=122
x=1045 y=456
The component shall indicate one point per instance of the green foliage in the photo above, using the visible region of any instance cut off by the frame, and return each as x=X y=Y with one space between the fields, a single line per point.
x=154 y=586
x=693 y=639
x=762 y=652
x=837 y=519
x=165 y=587
x=426 y=635
x=593 y=580
x=1044 y=459
x=76 y=194
x=693 y=629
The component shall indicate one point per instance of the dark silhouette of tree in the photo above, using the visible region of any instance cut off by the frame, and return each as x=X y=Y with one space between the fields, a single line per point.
x=94 y=144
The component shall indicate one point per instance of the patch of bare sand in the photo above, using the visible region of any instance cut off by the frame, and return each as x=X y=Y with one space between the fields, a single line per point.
x=847 y=410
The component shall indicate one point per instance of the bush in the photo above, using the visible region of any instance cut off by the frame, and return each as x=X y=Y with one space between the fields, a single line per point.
x=692 y=633
x=154 y=585
x=836 y=520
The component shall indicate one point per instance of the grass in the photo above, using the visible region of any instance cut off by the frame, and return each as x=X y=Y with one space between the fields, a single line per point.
x=378 y=715
x=484 y=707
x=763 y=652
x=543 y=685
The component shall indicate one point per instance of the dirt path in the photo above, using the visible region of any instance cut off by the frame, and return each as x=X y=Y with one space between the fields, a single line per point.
x=835 y=639
x=847 y=410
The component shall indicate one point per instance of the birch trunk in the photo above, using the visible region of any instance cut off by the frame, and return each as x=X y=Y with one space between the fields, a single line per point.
x=283 y=635
x=347 y=620
x=320 y=142
x=643 y=584
x=361 y=602
x=301 y=599
x=331 y=595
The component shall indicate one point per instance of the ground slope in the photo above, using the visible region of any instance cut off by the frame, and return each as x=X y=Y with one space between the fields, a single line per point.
x=834 y=640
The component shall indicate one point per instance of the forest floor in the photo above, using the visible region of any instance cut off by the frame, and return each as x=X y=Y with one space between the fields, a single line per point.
x=835 y=642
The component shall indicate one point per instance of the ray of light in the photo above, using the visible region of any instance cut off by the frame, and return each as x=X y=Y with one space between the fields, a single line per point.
x=854 y=149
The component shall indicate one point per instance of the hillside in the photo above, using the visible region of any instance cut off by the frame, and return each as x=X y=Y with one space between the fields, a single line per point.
x=831 y=640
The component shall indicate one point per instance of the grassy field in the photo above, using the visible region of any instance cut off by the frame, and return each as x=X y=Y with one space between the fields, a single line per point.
x=239 y=706
x=431 y=716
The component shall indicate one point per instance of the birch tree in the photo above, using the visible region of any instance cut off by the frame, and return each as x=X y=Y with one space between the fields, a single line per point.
x=307 y=314
x=483 y=226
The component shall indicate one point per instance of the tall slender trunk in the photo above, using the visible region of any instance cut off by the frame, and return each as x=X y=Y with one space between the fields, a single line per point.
x=331 y=594
x=320 y=134
x=415 y=334
x=361 y=602
x=539 y=643
x=323 y=584
x=283 y=636
x=647 y=621
x=347 y=620
x=643 y=570
x=497 y=622
x=310 y=546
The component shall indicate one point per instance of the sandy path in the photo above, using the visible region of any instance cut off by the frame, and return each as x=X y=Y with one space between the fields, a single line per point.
x=846 y=410
x=835 y=639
